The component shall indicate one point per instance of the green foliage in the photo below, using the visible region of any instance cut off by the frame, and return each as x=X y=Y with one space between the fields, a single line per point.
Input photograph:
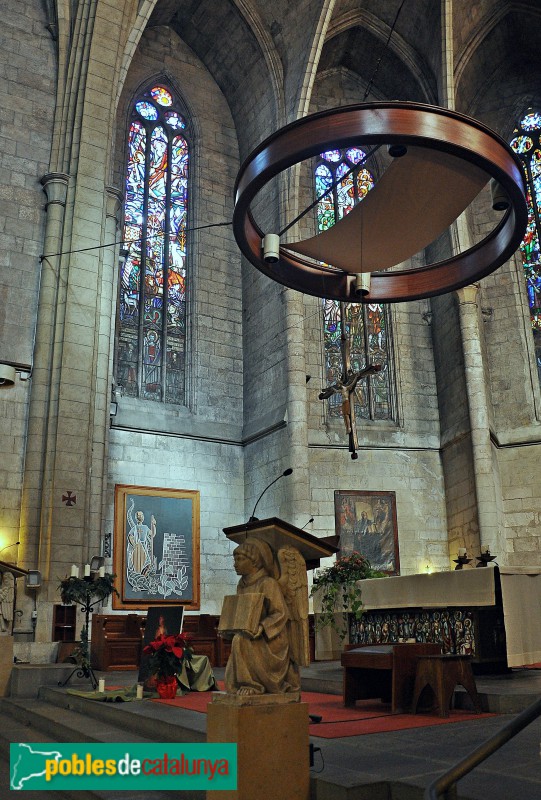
x=339 y=592
x=81 y=591
x=81 y=654
x=78 y=590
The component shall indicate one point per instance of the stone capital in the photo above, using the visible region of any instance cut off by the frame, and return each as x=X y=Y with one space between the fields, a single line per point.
x=114 y=203
x=55 y=186
x=468 y=294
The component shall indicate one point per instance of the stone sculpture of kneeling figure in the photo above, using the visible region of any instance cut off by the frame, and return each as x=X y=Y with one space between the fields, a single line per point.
x=268 y=660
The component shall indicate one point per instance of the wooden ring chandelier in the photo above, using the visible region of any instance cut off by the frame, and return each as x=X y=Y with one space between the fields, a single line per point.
x=407 y=125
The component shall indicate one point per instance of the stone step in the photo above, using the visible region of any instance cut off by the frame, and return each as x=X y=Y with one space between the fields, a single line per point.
x=57 y=717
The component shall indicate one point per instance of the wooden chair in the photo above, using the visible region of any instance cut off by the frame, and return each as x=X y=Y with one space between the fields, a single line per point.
x=442 y=673
x=383 y=670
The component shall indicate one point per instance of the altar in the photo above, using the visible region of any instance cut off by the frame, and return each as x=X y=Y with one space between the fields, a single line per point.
x=491 y=614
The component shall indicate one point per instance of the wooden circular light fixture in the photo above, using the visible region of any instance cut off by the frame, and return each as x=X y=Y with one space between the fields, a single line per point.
x=443 y=160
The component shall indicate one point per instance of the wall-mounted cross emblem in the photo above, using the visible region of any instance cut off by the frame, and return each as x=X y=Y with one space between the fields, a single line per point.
x=69 y=499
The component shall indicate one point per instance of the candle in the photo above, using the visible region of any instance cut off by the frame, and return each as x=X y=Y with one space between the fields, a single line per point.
x=102 y=572
x=485 y=550
x=461 y=552
x=87 y=570
x=139 y=691
x=74 y=571
x=101 y=685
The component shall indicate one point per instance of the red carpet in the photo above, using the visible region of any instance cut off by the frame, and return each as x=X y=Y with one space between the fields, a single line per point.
x=368 y=716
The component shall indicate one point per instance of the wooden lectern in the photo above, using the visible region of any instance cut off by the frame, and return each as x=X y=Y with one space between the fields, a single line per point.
x=278 y=533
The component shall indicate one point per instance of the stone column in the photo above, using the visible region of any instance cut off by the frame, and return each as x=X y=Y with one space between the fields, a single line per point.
x=55 y=186
x=105 y=328
x=447 y=88
x=297 y=405
x=485 y=469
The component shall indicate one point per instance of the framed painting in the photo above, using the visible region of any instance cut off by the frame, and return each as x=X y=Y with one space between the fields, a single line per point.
x=366 y=524
x=156 y=547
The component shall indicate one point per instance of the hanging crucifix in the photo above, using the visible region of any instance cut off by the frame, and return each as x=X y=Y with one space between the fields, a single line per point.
x=347 y=383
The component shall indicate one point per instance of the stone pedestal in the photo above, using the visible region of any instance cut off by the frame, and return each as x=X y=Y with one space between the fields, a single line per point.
x=271 y=732
x=6 y=663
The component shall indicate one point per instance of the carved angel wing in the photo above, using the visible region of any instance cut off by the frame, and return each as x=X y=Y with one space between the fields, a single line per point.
x=294 y=585
x=7 y=593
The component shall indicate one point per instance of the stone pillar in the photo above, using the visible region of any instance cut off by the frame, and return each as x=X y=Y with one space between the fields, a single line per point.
x=485 y=470
x=43 y=395
x=297 y=424
x=447 y=88
x=297 y=402
x=271 y=732
x=105 y=329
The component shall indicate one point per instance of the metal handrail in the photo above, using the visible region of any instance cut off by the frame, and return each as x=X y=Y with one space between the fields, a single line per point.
x=445 y=785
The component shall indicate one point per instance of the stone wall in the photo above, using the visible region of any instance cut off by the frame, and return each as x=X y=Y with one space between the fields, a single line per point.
x=196 y=446
x=27 y=101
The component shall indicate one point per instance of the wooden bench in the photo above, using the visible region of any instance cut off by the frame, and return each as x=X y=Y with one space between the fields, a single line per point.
x=442 y=673
x=383 y=670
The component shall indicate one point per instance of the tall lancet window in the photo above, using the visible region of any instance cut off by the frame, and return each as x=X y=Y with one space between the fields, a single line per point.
x=368 y=324
x=151 y=333
x=526 y=143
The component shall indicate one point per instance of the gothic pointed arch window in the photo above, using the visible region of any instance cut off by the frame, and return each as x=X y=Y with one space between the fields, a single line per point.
x=526 y=143
x=151 y=330
x=368 y=325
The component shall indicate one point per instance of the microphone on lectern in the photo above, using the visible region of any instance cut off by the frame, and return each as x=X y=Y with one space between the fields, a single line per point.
x=308 y=523
x=284 y=474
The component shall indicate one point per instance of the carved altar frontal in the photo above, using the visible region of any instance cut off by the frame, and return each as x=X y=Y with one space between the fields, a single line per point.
x=454 y=630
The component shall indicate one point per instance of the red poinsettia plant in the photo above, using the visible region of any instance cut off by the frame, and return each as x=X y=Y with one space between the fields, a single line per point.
x=167 y=655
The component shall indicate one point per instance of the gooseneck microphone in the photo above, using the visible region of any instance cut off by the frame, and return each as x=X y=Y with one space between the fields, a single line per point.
x=284 y=474
x=308 y=523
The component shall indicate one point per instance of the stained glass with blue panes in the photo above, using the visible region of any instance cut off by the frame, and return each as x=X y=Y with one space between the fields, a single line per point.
x=152 y=304
x=341 y=181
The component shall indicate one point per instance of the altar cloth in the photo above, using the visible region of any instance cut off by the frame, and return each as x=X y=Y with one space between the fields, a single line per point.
x=466 y=588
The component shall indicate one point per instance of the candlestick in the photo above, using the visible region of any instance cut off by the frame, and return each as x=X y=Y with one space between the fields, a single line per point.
x=87 y=571
x=139 y=691
x=74 y=571
x=101 y=685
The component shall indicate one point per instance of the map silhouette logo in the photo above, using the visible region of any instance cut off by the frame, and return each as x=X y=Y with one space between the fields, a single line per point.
x=27 y=762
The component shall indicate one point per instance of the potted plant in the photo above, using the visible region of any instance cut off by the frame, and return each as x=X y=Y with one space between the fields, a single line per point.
x=339 y=593
x=166 y=655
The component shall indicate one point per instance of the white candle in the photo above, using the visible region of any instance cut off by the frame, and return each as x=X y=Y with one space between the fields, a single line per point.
x=87 y=570
x=102 y=572
x=485 y=550
x=74 y=571
x=139 y=691
x=461 y=552
x=101 y=685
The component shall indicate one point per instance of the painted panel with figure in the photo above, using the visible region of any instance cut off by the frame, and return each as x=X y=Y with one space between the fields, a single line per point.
x=366 y=524
x=156 y=554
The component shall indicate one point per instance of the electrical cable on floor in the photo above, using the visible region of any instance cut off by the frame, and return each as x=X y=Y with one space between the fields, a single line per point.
x=313 y=750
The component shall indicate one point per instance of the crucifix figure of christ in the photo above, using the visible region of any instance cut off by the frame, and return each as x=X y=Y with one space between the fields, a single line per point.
x=347 y=383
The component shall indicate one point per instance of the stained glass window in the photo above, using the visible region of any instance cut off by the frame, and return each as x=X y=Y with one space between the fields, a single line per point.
x=526 y=143
x=152 y=305
x=367 y=324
